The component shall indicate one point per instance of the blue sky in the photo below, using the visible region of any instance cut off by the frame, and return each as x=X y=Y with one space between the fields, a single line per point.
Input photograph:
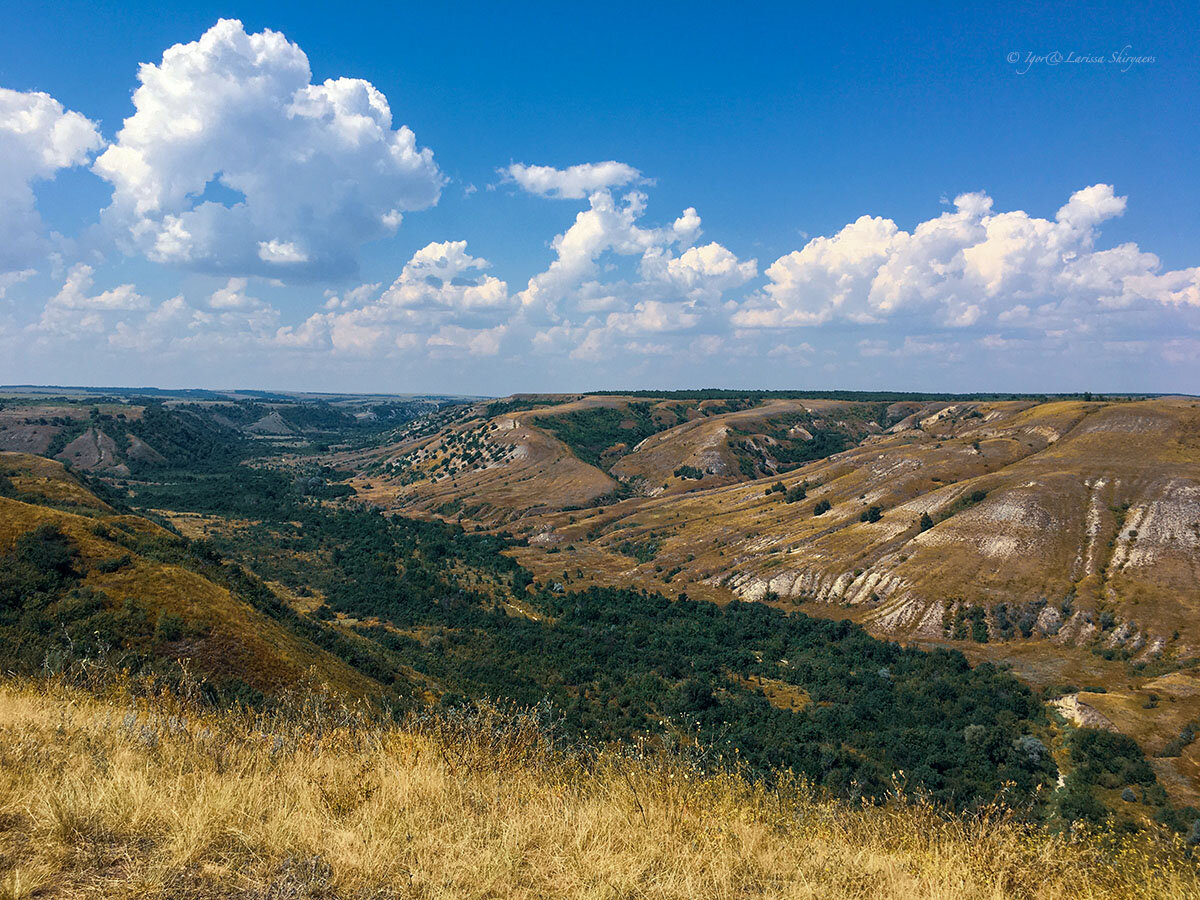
x=778 y=126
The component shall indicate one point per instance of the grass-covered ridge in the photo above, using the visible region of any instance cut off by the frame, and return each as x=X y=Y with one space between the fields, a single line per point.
x=157 y=796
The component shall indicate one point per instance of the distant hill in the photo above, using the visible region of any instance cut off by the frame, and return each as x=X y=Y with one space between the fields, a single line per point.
x=119 y=433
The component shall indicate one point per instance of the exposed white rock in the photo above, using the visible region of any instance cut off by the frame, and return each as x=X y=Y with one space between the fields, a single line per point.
x=1080 y=714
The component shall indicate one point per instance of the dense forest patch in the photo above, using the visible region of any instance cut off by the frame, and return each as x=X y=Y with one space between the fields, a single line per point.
x=603 y=435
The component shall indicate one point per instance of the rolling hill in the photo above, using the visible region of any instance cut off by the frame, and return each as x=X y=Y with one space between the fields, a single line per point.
x=535 y=455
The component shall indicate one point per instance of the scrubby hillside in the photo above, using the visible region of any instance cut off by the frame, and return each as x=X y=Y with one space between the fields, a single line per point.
x=1069 y=520
x=419 y=612
x=153 y=797
x=80 y=579
x=501 y=461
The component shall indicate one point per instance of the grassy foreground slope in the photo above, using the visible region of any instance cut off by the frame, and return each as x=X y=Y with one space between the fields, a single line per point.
x=122 y=797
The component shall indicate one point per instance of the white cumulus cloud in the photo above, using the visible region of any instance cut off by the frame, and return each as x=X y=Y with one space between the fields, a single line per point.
x=610 y=226
x=669 y=286
x=456 y=340
x=76 y=293
x=11 y=279
x=234 y=161
x=233 y=296
x=75 y=310
x=701 y=272
x=443 y=275
x=442 y=298
x=967 y=266
x=38 y=138
x=574 y=182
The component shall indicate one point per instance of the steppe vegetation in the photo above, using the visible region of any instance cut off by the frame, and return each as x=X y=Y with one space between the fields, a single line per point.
x=122 y=792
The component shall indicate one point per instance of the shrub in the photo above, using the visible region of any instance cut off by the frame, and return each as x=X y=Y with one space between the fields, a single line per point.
x=1175 y=747
x=169 y=627
x=40 y=565
x=1108 y=759
x=114 y=564
x=47 y=549
x=871 y=514
x=821 y=508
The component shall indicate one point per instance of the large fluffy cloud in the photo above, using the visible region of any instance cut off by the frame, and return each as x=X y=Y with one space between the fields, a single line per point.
x=37 y=139
x=607 y=225
x=444 y=276
x=234 y=161
x=967 y=266
x=700 y=273
x=574 y=182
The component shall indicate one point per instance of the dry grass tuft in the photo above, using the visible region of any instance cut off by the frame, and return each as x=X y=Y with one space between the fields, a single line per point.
x=123 y=796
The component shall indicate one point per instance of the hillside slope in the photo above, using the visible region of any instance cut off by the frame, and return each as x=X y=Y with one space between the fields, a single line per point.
x=121 y=797
x=1065 y=521
x=79 y=579
x=1080 y=519
x=121 y=433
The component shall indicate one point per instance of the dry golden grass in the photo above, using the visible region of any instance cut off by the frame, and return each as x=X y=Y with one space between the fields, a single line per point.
x=124 y=797
x=47 y=480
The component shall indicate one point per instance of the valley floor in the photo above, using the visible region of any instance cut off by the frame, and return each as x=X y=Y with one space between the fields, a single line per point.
x=123 y=796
